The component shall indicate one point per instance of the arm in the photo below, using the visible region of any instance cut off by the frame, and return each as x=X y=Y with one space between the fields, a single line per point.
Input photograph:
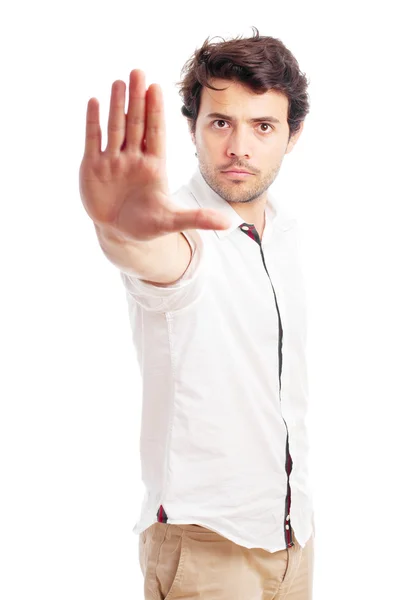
x=161 y=261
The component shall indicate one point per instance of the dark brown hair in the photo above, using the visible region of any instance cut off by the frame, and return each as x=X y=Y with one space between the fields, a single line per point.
x=259 y=62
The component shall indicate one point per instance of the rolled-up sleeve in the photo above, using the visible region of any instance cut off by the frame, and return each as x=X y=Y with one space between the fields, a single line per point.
x=180 y=294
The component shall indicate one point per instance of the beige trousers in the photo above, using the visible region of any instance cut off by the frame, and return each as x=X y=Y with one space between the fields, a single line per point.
x=189 y=562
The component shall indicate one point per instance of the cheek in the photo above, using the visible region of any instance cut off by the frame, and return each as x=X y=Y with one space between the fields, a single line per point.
x=207 y=146
x=214 y=143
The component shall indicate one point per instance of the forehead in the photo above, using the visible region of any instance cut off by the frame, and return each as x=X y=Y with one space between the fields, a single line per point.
x=239 y=99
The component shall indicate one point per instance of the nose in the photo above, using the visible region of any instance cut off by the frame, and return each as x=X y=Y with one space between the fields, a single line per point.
x=238 y=144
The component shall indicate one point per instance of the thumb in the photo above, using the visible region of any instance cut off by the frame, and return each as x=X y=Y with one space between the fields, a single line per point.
x=199 y=218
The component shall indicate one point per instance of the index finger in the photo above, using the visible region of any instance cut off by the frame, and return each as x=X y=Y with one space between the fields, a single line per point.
x=155 y=122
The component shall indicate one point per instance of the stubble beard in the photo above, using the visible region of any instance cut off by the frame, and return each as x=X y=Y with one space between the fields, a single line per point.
x=240 y=190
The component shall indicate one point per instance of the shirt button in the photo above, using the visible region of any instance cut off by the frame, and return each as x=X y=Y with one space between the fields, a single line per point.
x=244 y=227
x=287 y=518
x=287 y=526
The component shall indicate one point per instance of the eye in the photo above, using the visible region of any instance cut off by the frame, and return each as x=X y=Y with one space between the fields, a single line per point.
x=219 y=121
x=265 y=125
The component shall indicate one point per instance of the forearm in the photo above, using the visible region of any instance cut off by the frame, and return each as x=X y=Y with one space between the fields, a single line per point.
x=162 y=260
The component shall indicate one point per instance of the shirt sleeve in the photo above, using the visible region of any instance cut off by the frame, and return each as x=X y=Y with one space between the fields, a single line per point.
x=180 y=294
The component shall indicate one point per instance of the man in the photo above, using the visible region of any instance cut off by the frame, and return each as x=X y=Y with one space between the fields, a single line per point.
x=218 y=319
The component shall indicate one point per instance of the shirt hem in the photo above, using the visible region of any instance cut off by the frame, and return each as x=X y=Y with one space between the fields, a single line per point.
x=236 y=540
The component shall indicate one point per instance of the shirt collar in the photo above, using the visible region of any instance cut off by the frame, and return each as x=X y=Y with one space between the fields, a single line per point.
x=207 y=198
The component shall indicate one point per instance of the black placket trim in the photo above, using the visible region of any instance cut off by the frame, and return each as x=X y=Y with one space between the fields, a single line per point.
x=251 y=231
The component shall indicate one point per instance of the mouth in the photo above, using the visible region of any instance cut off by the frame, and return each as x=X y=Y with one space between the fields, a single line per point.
x=237 y=174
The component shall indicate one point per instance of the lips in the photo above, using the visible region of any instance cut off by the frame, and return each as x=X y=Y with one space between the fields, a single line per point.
x=237 y=171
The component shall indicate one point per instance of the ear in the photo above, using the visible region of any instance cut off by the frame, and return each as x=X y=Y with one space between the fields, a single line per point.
x=192 y=134
x=293 y=140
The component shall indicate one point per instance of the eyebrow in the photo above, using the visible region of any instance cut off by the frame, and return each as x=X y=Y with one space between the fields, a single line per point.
x=216 y=115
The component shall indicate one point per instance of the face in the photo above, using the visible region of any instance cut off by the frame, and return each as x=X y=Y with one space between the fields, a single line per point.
x=238 y=129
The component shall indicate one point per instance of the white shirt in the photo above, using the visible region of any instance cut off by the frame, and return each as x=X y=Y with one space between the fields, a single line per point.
x=215 y=423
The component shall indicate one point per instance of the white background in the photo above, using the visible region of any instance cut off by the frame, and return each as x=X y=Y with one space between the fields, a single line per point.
x=70 y=480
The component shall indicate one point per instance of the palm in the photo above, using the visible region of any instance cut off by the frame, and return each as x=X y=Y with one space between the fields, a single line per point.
x=123 y=193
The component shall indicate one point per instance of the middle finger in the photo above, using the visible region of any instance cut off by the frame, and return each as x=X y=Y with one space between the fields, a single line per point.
x=135 y=120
